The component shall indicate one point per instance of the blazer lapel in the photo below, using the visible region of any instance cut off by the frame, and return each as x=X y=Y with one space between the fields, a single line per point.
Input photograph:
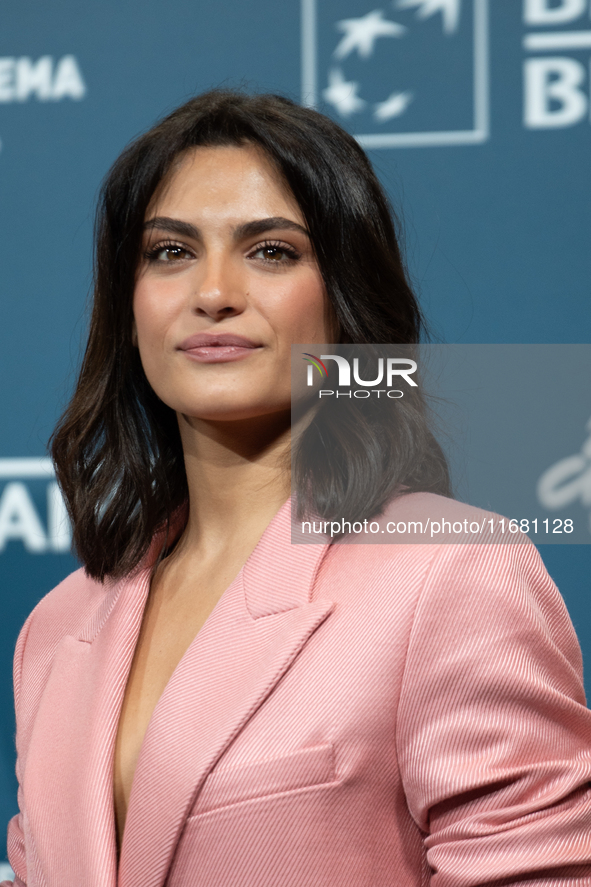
x=75 y=728
x=253 y=635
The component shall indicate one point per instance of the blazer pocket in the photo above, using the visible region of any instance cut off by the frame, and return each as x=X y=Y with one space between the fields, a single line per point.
x=300 y=769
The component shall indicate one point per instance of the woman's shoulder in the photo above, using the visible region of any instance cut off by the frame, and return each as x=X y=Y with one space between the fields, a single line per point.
x=433 y=508
x=466 y=544
x=478 y=577
x=438 y=555
x=65 y=611
x=428 y=521
x=69 y=605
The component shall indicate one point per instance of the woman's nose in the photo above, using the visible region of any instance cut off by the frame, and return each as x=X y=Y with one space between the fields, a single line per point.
x=219 y=289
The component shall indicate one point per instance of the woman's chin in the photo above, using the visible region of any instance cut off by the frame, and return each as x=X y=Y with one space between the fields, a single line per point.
x=213 y=414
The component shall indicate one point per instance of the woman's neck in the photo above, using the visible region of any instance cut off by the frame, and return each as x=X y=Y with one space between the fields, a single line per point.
x=238 y=475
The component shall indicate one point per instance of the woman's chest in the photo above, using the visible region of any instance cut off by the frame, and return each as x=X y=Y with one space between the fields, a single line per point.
x=169 y=626
x=280 y=711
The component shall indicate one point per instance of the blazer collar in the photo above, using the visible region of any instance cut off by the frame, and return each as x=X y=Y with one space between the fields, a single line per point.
x=251 y=638
x=69 y=804
x=280 y=573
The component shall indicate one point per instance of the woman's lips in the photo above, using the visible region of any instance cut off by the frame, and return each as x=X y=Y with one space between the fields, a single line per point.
x=205 y=348
x=217 y=353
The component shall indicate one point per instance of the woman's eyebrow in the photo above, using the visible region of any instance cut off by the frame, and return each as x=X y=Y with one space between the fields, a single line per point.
x=248 y=229
x=175 y=226
x=260 y=226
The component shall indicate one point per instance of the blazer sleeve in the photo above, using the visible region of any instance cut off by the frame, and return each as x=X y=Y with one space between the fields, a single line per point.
x=493 y=733
x=16 y=838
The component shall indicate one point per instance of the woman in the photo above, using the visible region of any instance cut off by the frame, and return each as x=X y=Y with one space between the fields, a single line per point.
x=208 y=703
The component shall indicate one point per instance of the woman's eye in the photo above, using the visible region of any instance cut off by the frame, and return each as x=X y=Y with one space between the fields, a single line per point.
x=272 y=252
x=275 y=254
x=167 y=254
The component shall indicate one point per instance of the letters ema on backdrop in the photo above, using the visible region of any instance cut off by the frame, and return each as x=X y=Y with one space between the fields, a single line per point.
x=44 y=79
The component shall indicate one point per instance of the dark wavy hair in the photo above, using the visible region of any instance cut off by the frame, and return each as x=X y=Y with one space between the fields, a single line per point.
x=117 y=448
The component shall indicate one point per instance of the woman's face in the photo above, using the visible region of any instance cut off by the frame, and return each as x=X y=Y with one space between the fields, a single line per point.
x=226 y=282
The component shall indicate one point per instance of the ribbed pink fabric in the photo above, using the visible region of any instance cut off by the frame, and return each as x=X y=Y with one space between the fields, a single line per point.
x=349 y=716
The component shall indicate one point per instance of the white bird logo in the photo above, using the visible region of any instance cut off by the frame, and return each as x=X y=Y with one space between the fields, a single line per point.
x=343 y=93
x=394 y=106
x=360 y=36
x=450 y=10
x=362 y=33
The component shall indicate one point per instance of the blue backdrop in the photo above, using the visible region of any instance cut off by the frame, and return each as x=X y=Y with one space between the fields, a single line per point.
x=475 y=114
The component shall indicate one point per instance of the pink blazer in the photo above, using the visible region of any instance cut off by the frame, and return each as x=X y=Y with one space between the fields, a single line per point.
x=370 y=716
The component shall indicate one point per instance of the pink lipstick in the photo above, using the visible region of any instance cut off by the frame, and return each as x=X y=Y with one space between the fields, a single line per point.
x=220 y=348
